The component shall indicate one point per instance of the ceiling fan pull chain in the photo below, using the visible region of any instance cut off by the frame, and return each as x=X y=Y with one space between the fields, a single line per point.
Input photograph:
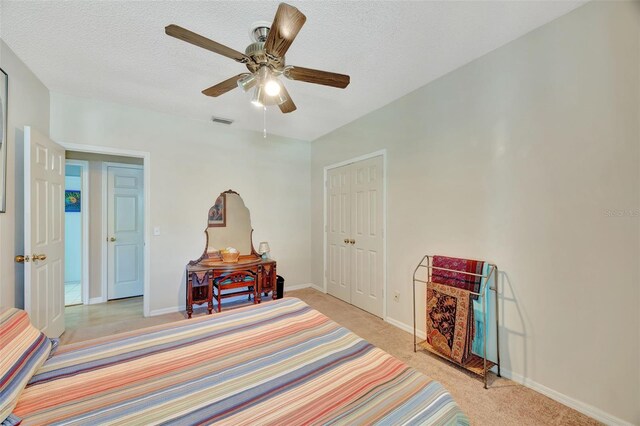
x=264 y=122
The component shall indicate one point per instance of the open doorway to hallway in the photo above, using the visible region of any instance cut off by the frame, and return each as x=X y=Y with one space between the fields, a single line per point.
x=76 y=198
x=107 y=234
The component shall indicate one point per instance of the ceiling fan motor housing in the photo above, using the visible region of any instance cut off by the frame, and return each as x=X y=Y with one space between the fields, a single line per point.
x=258 y=54
x=259 y=32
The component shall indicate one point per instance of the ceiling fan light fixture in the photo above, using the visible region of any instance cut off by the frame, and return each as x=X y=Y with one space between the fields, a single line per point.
x=247 y=82
x=272 y=87
x=281 y=98
x=259 y=98
x=263 y=74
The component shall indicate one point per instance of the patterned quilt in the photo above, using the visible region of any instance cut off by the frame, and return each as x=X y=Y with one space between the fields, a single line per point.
x=460 y=279
x=450 y=324
x=277 y=363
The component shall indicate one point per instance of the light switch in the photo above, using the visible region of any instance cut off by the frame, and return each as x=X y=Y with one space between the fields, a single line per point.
x=156 y=231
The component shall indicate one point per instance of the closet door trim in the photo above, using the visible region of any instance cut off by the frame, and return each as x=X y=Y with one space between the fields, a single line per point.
x=383 y=154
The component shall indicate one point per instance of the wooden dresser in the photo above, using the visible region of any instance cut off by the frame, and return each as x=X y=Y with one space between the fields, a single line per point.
x=209 y=278
x=216 y=280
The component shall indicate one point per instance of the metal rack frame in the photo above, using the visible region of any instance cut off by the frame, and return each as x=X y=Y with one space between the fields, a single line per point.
x=493 y=271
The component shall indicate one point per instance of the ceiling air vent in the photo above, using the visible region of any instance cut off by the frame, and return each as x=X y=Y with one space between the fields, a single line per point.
x=221 y=120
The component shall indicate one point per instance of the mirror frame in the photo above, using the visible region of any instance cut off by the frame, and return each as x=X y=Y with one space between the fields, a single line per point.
x=215 y=256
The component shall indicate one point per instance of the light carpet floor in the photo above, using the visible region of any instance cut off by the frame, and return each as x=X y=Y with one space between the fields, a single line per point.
x=504 y=403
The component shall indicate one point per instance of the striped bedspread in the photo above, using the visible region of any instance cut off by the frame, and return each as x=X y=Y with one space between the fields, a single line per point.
x=277 y=363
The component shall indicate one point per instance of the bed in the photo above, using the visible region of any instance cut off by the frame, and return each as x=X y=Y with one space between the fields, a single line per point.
x=275 y=363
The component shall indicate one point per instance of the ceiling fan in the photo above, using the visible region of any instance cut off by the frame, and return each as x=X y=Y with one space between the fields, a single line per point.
x=265 y=60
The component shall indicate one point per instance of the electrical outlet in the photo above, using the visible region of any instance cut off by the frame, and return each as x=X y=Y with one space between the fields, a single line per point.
x=396 y=296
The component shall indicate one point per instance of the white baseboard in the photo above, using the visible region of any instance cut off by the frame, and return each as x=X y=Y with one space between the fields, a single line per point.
x=402 y=326
x=577 y=405
x=301 y=286
x=317 y=287
x=168 y=310
x=94 y=300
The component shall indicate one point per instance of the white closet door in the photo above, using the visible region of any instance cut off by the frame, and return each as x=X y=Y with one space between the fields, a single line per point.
x=355 y=249
x=338 y=228
x=366 y=229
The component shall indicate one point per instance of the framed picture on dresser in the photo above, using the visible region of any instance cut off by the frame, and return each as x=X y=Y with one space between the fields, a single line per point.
x=4 y=92
x=218 y=213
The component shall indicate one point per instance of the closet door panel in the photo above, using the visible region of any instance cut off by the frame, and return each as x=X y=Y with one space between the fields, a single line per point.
x=338 y=230
x=366 y=225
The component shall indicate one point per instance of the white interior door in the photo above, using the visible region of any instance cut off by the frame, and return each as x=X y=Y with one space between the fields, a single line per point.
x=355 y=244
x=44 y=232
x=366 y=235
x=125 y=231
x=338 y=229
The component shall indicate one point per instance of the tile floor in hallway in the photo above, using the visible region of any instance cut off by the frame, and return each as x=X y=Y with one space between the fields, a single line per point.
x=72 y=293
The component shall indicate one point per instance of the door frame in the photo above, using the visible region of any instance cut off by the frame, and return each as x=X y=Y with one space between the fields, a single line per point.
x=380 y=153
x=146 y=164
x=105 y=233
x=84 y=214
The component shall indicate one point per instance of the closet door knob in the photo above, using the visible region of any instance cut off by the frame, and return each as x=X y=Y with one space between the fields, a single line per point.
x=39 y=257
x=346 y=241
x=352 y=241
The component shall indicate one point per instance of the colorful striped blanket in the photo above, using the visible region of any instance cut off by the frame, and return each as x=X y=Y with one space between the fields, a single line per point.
x=277 y=363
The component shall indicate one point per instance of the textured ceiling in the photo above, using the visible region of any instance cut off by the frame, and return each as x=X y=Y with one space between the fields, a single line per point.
x=117 y=51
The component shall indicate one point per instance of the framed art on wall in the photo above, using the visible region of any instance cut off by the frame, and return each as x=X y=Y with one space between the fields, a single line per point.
x=4 y=91
x=72 y=201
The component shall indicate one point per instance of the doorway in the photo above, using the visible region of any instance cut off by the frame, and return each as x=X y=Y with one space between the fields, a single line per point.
x=115 y=212
x=44 y=230
x=76 y=230
x=355 y=258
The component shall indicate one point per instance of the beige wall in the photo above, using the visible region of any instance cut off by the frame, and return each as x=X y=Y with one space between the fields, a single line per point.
x=28 y=104
x=520 y=158
x=191 y=163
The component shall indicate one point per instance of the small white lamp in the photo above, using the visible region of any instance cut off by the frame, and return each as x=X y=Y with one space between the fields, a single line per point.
x=263 y=249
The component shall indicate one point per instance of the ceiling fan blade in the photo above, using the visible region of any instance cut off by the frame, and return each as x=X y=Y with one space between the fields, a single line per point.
x=285 y=28
x=318 y=77
x=224 y=87
x=200 y=41
x=288 y=105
